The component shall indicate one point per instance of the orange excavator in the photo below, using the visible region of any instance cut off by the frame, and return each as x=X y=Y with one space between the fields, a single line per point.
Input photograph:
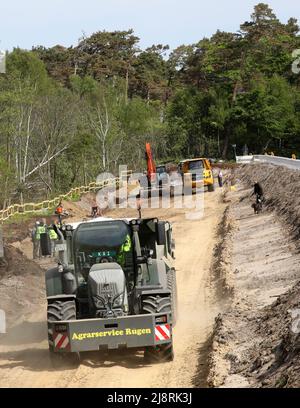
x=151 y=167
x=157 y=176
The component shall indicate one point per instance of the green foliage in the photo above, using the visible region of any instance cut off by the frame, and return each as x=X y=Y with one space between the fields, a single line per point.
x=246 y=82
x=68 y=114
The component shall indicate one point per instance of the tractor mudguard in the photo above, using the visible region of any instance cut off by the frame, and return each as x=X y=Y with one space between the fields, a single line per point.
x=54 y=284
x=69 y=283
x=58 y=283
x=156 y=292
x=60 y=297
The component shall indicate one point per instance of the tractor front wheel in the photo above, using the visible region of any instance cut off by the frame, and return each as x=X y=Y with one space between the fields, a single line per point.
x=60 y=310
x=162 y=352
x=61 y=360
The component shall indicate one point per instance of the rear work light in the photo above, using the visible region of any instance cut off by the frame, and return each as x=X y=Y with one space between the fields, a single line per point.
x=61 y=328
x=161 y=319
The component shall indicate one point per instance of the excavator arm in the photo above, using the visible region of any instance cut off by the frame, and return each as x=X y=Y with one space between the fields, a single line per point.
x=151 y=168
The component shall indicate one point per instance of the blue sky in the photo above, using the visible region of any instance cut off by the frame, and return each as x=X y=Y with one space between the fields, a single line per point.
x=25 y=23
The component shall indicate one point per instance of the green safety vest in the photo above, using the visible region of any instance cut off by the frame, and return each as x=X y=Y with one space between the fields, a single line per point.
x=52 y=234
x=126 y=247
x=40 y=230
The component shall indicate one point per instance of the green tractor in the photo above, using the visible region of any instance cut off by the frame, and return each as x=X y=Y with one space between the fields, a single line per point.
x=114 y=287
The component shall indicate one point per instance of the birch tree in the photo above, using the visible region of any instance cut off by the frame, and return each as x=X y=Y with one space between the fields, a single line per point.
x=104 y=124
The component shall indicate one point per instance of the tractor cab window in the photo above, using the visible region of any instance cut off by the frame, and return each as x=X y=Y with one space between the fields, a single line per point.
x=101 y=242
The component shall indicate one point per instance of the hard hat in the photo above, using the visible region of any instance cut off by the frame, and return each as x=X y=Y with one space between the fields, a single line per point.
x=37 y=223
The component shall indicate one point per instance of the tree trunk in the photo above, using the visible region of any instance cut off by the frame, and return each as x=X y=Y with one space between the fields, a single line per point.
x=226 y=144
x=126 y=86
x=84 y=171
x=235 y=90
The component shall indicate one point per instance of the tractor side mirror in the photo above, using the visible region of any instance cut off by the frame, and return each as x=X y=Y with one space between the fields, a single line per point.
x=146 y=257
x=140 y=260
x=161 y=233
x=45 y=244
x=173 y=246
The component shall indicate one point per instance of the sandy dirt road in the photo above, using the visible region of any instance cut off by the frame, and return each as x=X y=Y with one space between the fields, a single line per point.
x=24 y=360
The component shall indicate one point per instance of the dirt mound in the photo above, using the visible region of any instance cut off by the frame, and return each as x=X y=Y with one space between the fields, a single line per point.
x=281 y=191
x=275 y=360
x=21 y=285
x=15 y=263
x=224 y=166
x=266 y=352
x=20 y=230
x=86 y=201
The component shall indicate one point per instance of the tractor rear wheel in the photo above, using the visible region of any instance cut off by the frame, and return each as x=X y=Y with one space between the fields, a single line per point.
x=162 y=352
x=61 y=360
x=61 y=311
x=171 y=279
x=157 y=304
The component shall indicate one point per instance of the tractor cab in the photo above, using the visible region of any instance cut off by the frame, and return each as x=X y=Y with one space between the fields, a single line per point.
x=101 y=242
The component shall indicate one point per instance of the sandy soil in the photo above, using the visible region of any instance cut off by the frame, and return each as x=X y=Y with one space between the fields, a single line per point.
x=264 y=266
x=24 y=358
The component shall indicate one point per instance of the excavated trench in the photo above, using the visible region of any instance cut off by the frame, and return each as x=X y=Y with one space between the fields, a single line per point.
x=254 y=342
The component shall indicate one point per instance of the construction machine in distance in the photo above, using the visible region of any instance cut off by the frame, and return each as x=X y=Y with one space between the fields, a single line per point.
x=114 y=287
x=198 y=172
x=157 y=178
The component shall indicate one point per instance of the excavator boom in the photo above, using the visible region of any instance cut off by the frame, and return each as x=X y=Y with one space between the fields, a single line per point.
x=151 y=168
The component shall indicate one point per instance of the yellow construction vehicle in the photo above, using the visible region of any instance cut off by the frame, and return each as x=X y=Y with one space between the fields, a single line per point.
x=198 y=172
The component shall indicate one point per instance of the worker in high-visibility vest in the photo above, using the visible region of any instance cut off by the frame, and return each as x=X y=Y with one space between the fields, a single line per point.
x=35 y=238
x=40 y=229
x=126 y=247
x=53 y=238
